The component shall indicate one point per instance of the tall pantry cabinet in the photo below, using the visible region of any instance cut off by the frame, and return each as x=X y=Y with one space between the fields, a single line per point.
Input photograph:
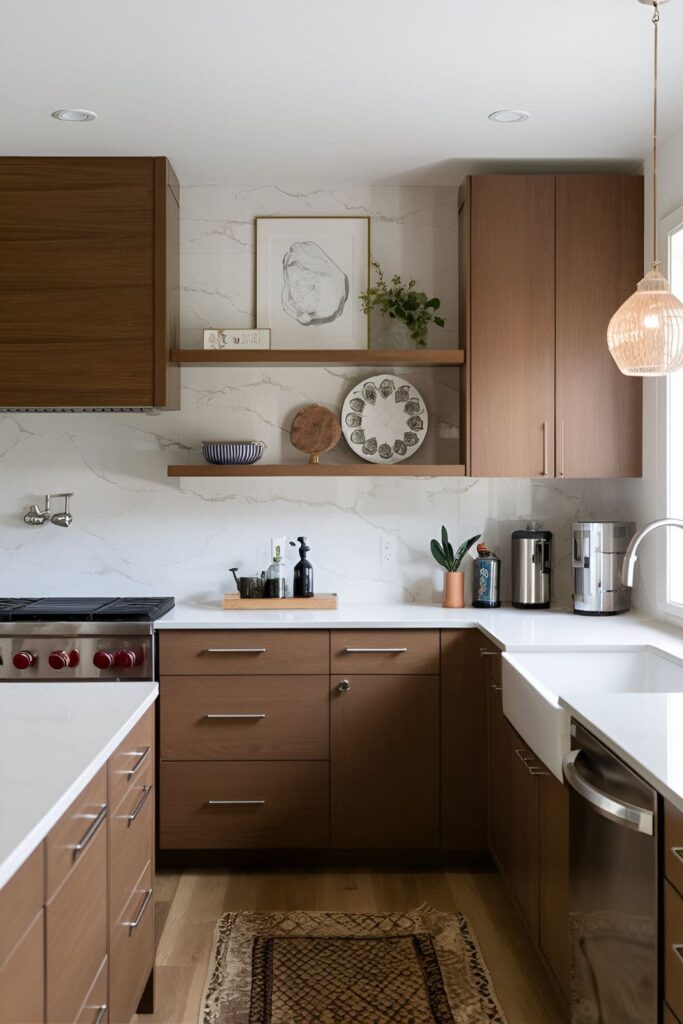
x=544 y=262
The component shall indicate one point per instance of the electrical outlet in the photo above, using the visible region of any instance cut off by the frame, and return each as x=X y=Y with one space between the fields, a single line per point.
x=386 y=549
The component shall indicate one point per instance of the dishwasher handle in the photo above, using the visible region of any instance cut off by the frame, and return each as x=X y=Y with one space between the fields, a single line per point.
x=639 y=819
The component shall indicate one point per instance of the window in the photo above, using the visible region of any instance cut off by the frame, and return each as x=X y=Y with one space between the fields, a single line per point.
x=672 y=236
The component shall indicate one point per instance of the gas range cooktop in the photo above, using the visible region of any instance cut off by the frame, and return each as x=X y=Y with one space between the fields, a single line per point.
x=84 y=609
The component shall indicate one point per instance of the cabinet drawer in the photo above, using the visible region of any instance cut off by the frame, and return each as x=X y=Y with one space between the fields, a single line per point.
x=270 y=804
x=131 y=830
x=21 y=899
x=75 y=831
x=673 y=845
x=215 y=652
x=241 y=718
x=76 y=932
x=22 y=978
x=130 y=759
x=673 y=949
x=95 y=1008
x=393 y=651
x=131 y=950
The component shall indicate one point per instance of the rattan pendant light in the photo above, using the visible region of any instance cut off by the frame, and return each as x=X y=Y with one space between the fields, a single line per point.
x=645 y=335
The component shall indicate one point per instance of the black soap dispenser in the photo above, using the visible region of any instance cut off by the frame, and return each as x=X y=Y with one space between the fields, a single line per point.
x=303 y=571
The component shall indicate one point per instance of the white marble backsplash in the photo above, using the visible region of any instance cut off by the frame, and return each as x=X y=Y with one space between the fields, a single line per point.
x=137 y=532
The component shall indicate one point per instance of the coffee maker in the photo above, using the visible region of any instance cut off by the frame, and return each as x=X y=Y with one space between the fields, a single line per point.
x=597 y=557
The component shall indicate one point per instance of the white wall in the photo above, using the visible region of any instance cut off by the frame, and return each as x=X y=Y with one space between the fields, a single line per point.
x=135 y=531
x=641 y=499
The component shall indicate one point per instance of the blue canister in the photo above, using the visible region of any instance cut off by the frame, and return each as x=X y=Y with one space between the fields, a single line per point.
x=486 y=579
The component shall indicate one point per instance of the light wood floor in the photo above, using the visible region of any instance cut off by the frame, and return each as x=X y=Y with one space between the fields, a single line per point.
x=188 y=904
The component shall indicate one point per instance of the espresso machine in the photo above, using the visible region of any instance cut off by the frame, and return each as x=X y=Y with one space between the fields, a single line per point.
x=597 y=556
x=531 y=553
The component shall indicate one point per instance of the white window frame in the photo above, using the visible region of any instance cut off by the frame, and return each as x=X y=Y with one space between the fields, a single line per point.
x=667 y=609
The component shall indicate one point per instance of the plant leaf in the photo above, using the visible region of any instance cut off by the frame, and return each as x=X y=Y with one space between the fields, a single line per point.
x=438 y=554
x=439 y=321
x=444 y=538
x=433 y=304
x=463 y=549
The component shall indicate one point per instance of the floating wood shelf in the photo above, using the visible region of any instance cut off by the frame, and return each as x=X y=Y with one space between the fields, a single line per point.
x=319 y=357
x=321 y=470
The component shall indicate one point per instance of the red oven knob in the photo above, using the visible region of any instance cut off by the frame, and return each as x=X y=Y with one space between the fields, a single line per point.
x=103 y=659
x=24 y=659
x=125 y=659
x=60 y=659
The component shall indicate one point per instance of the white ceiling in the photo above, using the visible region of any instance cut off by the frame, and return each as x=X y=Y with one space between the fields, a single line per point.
x=337 y=90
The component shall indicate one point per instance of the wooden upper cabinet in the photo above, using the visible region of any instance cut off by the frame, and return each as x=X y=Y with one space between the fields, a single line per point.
x=510 y=350
x=89 y=282
x=544 y=263
x=599 y=261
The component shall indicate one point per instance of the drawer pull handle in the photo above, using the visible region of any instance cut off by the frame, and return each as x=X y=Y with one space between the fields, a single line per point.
x=235 y=650
x=677 y=947
x=236 y=803
x=146 y=790
x=344 y=686
x=537 y=770
x=132 y=925
x=241 y=717
x=677 y=852
x=88 y=835
x=142 y=756
x=101 y=1012
x=496 y=687
x=524 y=756
x=375 y=650
x=484 y=653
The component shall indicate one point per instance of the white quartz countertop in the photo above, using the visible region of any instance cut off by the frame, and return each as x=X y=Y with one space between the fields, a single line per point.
x=54 y=738
x=510 y=628
x=644 y=729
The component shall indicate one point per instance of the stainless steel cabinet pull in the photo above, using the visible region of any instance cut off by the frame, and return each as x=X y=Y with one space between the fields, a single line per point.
x=236 y=803
x=88 y=835
x=637 y=818
x=101 y=1012
x=537 y=770
x=496 y=687
x=677 y=852
x=344 y=686
x=142 y=756
x=141 y=803
x=132 y=925
x=677 y=947
x=375 y=650
x=561 y=447
x=257 y=715
x=486 y=653
x=524 y=756
x=235 y=650
x=544 y=471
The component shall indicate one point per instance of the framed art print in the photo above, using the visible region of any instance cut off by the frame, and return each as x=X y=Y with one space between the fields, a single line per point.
x=310 y=272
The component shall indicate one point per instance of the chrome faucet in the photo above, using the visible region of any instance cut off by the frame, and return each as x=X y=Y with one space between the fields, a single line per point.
x=630 y=556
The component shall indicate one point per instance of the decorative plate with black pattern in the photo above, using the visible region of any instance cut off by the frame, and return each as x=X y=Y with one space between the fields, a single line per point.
x=384 y=419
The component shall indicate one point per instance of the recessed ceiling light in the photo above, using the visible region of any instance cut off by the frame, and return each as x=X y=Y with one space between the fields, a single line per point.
x=74 y=115
x=509 y=116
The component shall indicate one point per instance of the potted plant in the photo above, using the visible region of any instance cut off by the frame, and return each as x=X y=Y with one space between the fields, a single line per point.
x=401 y=302
x=454 y=580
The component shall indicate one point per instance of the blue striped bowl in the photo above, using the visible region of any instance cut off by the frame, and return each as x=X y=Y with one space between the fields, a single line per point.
x=232 y=453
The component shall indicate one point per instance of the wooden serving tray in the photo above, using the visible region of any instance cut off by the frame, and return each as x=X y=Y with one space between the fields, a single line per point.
x=319 y=603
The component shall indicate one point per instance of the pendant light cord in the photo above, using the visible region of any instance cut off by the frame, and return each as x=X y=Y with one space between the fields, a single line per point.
x=655 y=22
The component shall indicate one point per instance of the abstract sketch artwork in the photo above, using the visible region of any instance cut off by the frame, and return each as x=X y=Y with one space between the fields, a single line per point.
x=310 y=272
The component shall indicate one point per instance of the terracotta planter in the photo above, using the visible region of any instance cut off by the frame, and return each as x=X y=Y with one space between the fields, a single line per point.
x=454 y=590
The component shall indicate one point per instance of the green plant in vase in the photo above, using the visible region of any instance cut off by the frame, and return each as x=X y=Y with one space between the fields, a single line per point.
x=400 y=301
x=450 y=560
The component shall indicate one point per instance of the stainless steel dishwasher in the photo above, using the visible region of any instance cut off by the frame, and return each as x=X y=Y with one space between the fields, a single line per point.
x=613 y=917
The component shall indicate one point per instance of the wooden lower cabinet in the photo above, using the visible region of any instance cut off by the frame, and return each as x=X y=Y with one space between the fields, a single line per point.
x=131 y=949
x=95 y=1009
x=501 y=758
x=526 y=874
x=553 y=868
x=673 y=948
x=464 y=766
x=244 y=805
x=384 y=762
x=22 y=978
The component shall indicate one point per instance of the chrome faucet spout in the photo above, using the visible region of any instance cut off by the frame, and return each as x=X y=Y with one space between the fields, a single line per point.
x=630 y=556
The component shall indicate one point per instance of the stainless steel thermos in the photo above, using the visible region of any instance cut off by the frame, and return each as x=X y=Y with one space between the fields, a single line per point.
x=486 y=579
x=531 y=551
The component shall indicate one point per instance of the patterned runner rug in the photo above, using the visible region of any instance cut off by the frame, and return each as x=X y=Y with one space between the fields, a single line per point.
x=421 y=967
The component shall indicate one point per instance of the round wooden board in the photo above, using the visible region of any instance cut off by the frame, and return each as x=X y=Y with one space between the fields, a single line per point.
x=315 y=429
